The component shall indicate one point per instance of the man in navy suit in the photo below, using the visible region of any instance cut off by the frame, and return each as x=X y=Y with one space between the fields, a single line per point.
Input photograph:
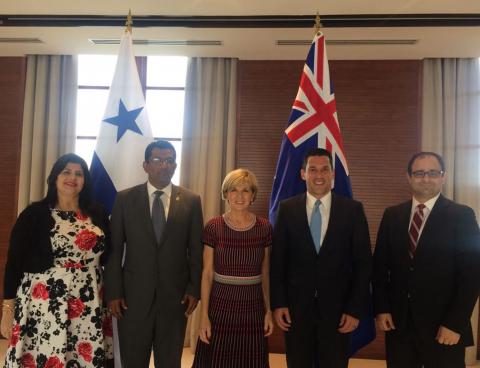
x=426 y=273
x=320 y=268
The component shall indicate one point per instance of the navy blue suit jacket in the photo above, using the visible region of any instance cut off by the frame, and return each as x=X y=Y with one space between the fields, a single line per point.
x=339 y=274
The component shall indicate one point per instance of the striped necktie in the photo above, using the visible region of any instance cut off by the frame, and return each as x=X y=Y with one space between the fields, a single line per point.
x=415 y=226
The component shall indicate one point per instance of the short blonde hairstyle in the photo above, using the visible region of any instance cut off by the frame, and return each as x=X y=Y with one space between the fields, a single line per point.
x=239 y=177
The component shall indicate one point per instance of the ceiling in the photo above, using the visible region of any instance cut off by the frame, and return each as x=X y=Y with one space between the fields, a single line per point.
x=245 y=43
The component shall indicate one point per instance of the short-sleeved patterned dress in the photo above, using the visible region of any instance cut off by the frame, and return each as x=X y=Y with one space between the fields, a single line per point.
x=59 y=318
x=236 y=307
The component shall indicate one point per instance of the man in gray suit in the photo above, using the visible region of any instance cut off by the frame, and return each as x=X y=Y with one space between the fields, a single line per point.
x=156 y=228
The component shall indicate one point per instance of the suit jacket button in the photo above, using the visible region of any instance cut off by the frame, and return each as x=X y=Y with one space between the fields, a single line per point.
x=411 y=268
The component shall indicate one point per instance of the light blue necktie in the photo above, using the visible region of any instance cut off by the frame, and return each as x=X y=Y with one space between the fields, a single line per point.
x=316 y=224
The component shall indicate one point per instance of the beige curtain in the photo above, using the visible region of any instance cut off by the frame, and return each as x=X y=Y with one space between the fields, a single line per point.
x=208 y=142
x=451 y=127
x=48 y=121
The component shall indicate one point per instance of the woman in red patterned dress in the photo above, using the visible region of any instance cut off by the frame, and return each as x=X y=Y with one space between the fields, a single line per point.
x=235 y=313
x=53 y=312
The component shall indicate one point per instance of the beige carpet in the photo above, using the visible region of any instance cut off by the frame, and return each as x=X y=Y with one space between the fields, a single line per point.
x=276 y=360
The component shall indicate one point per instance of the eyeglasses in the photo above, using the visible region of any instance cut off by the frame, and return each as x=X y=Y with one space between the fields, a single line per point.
x=433 y=174
x=161 y=161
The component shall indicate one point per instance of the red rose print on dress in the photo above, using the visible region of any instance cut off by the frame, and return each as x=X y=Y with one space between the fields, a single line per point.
x=15 y=334
x=79 y=215
x=85 y=350
x=40 y=291
x=53 y=362
x=75 y=308
x=86 y=240
x=28 y=361
x=107 y=326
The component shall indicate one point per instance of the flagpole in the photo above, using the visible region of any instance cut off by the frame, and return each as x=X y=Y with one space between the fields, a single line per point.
x=124 y=133
x=318 y=25
x=129 y=22
x=313 y=123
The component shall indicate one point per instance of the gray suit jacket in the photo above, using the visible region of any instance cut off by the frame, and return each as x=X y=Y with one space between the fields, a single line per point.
x=164 y=272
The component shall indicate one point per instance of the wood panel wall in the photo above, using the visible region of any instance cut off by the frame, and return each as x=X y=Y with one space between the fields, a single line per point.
x=378 y=104
x=12 y=85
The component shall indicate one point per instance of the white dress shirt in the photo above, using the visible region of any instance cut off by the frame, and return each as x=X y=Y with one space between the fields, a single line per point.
x=326 y=204
x=165 y=197
x=426 y=211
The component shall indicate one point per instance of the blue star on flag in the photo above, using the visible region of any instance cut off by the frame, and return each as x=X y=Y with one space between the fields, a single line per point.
x=125 y=120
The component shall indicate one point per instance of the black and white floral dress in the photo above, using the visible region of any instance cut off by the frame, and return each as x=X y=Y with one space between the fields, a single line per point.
x=60 y=321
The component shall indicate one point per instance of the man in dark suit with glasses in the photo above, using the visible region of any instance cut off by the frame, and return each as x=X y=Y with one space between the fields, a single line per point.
x=426 y=273
x=152 y=276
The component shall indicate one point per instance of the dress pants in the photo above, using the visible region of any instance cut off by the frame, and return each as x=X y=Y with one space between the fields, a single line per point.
x=314 y=341
x=163 y=330
x=416 y=347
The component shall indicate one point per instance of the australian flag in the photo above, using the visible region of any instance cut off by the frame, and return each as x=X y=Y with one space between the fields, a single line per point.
x=313 y=123
x=124 y=132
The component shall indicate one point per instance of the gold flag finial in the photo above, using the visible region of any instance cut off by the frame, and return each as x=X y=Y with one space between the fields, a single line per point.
x=318 y=24
x=129 y=22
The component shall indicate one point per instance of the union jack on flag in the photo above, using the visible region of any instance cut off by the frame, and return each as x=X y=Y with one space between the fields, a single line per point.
x=313 y=123
x=314 y=110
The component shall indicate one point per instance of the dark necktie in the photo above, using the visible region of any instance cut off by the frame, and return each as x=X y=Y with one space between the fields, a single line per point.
x=158 y=215
x=415 y=226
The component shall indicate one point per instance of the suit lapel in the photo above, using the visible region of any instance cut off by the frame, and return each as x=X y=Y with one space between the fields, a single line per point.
x=144 y=211
x=435 y=220
x=301 y=215
x=331 y=222
x=175 y=199
x=403 y=226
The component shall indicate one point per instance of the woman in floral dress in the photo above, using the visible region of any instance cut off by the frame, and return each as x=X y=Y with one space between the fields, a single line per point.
x=53 y=311
x=235 y=312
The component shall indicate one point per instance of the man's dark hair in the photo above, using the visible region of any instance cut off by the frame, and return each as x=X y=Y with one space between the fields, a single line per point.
x=160 y=144
x=317 y=152
x=423 y=154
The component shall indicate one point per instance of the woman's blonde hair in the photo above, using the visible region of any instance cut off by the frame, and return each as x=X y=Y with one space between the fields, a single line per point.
x=239 y=177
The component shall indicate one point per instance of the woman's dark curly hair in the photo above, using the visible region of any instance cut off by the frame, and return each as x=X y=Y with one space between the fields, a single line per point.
x=85 y=196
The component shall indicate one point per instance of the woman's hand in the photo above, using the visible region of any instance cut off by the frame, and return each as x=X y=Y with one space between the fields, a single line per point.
x=205 y=330
x=7 y=318
x=268 y=324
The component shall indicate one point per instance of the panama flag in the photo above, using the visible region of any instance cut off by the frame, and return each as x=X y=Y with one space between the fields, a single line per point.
x=124 y=134
x=314 y=123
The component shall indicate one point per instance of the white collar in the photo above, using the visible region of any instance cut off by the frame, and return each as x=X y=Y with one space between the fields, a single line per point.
x=167 y=191
x=326 y=200
x=429 y=204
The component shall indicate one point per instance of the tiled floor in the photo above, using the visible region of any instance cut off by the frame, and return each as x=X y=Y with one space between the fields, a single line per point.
x=276 y=360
